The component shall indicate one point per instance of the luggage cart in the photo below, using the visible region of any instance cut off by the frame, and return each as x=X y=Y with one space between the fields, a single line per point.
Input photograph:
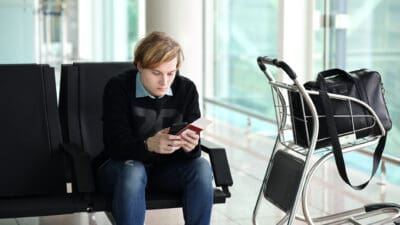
x=291 y=168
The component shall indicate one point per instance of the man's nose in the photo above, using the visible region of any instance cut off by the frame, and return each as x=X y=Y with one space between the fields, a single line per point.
x=163 y=79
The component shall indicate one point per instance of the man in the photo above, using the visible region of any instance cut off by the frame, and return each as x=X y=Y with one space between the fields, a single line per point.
x=139 y=107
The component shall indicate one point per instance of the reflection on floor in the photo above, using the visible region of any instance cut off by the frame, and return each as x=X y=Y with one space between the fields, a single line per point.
x=248 y=154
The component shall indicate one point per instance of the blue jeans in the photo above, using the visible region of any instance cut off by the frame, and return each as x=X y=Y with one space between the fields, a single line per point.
x=128 y=180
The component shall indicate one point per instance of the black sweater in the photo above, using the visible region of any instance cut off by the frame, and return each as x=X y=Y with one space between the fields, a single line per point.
x=128 y=121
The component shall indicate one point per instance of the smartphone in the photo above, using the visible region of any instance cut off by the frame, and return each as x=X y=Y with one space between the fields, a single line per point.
x=176 y=127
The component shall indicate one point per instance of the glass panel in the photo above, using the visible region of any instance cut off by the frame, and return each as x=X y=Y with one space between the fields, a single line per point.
x=244 y=30
x=133 y=30
x=52 y=36
x=53 y=25
x=372 y=40
x=369 y=39
x=17 y=39
x=319 y=35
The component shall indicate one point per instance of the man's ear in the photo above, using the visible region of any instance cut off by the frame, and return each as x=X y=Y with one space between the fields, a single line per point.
x=139 y=67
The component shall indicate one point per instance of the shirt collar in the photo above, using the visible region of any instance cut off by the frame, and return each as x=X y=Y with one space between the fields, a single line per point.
x=142 y=92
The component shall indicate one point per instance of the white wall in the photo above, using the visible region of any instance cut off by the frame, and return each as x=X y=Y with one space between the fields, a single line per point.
x=183 y=20
x=296 y=36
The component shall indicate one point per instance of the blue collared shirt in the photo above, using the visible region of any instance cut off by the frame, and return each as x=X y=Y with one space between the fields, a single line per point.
x=142 y=92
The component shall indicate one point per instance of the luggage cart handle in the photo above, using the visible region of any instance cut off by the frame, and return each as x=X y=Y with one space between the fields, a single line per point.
x=372 y=207
x=262 y=60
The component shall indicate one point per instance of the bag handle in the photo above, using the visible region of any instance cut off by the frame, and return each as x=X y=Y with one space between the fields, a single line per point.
x=335 y=71
x=337 y=150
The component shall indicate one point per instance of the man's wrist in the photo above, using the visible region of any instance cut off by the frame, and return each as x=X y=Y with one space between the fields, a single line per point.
x=146 y=146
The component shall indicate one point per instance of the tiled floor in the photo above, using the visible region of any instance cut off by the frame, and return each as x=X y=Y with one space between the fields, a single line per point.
x=248 y=155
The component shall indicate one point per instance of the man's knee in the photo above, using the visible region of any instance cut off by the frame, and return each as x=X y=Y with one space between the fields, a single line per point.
x=202 y=170
x=133 y=176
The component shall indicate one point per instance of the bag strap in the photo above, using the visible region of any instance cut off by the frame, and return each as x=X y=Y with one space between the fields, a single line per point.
x=337 y=150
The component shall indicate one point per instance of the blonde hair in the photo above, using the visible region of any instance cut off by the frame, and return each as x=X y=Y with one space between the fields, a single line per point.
x=157 y=48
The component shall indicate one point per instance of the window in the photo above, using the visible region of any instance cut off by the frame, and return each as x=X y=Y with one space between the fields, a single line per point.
x=371 y=40
x=17 y=42
x=242 y=31
x=62 y=31
x=368 y=38
x=108 y=30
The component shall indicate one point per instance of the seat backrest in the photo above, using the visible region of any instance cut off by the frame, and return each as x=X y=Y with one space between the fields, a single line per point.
x=30 y=133
x=81 y=92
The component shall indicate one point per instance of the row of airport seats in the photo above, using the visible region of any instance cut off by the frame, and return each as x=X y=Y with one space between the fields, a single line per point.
x=46 y=150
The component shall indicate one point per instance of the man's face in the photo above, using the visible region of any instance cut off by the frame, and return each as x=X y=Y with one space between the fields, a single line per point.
x=157 y=80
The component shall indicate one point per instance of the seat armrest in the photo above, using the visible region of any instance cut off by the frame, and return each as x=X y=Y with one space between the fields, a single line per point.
x=82 y=169
x=219 y=164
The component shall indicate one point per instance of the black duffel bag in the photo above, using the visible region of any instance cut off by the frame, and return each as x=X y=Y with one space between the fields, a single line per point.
x=362 y=84
x=342 y=119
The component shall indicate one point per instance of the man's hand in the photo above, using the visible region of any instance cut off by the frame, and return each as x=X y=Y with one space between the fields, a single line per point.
x=190 y=140
x=164 y=143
